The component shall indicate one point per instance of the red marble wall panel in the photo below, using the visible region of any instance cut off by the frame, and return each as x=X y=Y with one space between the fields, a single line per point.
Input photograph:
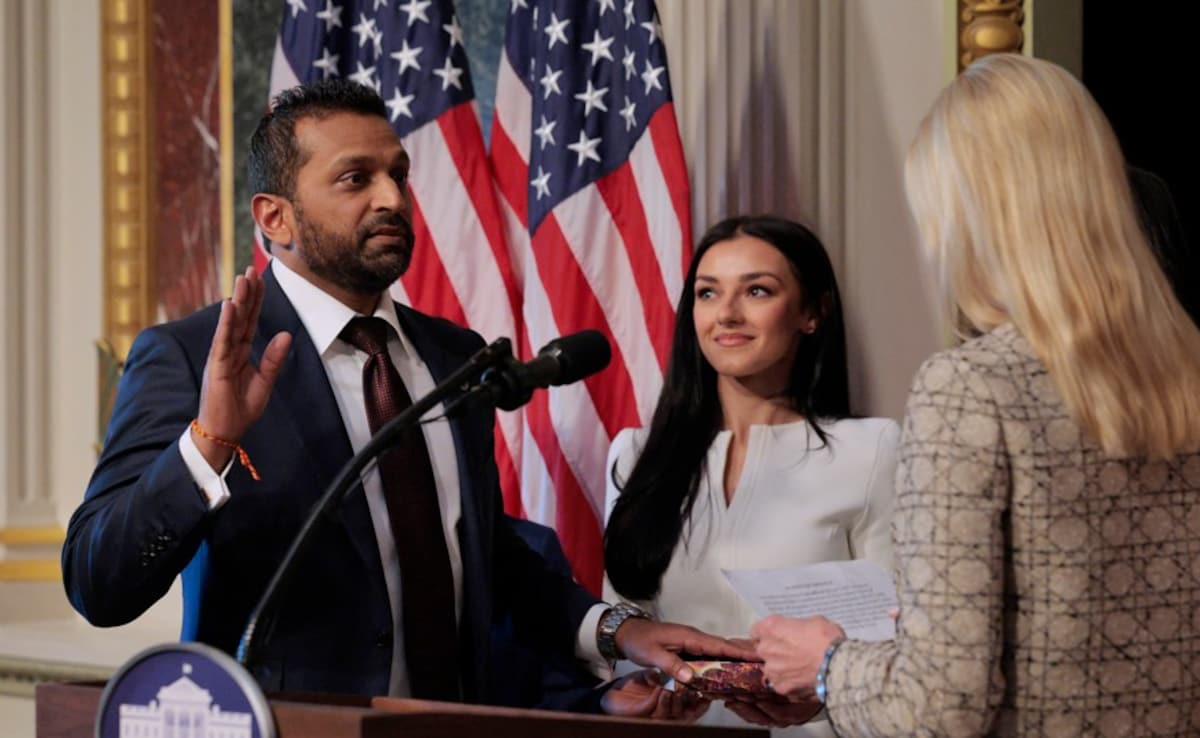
x=186 y=206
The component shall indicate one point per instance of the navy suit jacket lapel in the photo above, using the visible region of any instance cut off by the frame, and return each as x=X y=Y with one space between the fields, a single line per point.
x=303 y=397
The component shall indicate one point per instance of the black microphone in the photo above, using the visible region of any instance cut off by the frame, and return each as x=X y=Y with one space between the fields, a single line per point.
x=564 y=360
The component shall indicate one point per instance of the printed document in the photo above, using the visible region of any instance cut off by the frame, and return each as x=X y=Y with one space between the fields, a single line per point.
x=854 y=594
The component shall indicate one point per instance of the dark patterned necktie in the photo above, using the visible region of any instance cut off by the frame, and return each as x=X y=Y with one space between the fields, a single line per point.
x=426 y=581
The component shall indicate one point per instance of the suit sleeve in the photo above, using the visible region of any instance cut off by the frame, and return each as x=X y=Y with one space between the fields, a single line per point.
x=941 y=675
x=565 y=684
x=548 y=606
x=142 y=516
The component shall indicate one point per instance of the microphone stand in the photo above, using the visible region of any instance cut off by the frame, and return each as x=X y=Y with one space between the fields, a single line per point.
x=462 y=382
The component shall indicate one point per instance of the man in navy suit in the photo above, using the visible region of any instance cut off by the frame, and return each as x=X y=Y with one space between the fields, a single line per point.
x=269 y=381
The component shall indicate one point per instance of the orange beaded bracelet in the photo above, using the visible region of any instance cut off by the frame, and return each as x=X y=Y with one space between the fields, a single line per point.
x=243 y=457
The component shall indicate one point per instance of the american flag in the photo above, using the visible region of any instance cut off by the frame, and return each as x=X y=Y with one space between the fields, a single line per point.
x=411 y=53
x=594 y=195
x=591 y=228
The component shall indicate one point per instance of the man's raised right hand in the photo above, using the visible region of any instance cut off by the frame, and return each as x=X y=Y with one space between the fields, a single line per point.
x=234 y=392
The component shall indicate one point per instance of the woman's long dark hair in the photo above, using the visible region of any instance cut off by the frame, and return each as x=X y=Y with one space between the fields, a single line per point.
x=656 y=500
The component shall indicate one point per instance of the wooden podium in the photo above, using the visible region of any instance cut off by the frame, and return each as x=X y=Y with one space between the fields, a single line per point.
x=69 y=711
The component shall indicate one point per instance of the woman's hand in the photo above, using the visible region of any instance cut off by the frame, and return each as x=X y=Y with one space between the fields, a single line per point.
x=642 y=694
x=791 y=650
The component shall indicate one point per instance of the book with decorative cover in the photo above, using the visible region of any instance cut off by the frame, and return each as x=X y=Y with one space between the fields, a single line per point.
x=719 y=679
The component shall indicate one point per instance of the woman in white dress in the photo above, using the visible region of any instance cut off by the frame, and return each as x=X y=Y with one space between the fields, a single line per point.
x=751 y=459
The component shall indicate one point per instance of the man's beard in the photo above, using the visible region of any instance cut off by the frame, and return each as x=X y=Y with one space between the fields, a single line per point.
x=345 y=261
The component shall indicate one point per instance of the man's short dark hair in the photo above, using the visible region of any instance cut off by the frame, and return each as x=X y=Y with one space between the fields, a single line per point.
x=274 y=156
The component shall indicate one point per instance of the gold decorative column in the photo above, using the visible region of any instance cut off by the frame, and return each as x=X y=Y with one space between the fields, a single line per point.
x=127 y=169
x=126 y=130
x=989 y=27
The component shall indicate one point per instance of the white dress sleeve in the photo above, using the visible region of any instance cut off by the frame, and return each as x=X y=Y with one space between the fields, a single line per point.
x=871 y=536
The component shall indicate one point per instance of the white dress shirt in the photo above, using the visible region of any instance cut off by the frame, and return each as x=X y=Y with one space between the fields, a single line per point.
x=324 y=317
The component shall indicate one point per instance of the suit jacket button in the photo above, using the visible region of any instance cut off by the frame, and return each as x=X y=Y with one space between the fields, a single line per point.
x=383 y=639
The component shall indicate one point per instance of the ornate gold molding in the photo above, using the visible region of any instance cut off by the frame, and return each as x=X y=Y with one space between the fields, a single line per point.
x=989 y=27
x=127 y=169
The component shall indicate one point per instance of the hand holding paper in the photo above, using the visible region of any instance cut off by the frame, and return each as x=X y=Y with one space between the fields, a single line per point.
x=805 y=608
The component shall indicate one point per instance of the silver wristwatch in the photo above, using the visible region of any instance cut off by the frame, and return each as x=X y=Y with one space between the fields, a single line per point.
x=610 y=621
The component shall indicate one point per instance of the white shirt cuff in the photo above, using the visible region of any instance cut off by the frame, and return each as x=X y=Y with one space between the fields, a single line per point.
x=211 y=484
x=586 y=648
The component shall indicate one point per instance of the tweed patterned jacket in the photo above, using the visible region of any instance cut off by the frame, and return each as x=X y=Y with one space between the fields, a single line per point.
x=1045 y=589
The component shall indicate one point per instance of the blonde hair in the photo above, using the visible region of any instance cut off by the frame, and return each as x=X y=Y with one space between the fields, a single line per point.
x=1021 y=194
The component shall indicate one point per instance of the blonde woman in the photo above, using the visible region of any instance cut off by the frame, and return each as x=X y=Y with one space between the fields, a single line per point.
x=1047 y=532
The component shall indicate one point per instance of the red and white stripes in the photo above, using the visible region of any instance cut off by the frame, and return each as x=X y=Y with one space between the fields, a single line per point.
x=609 y=258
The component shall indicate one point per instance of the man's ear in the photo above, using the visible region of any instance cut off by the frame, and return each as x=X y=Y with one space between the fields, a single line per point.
x=273 y=214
